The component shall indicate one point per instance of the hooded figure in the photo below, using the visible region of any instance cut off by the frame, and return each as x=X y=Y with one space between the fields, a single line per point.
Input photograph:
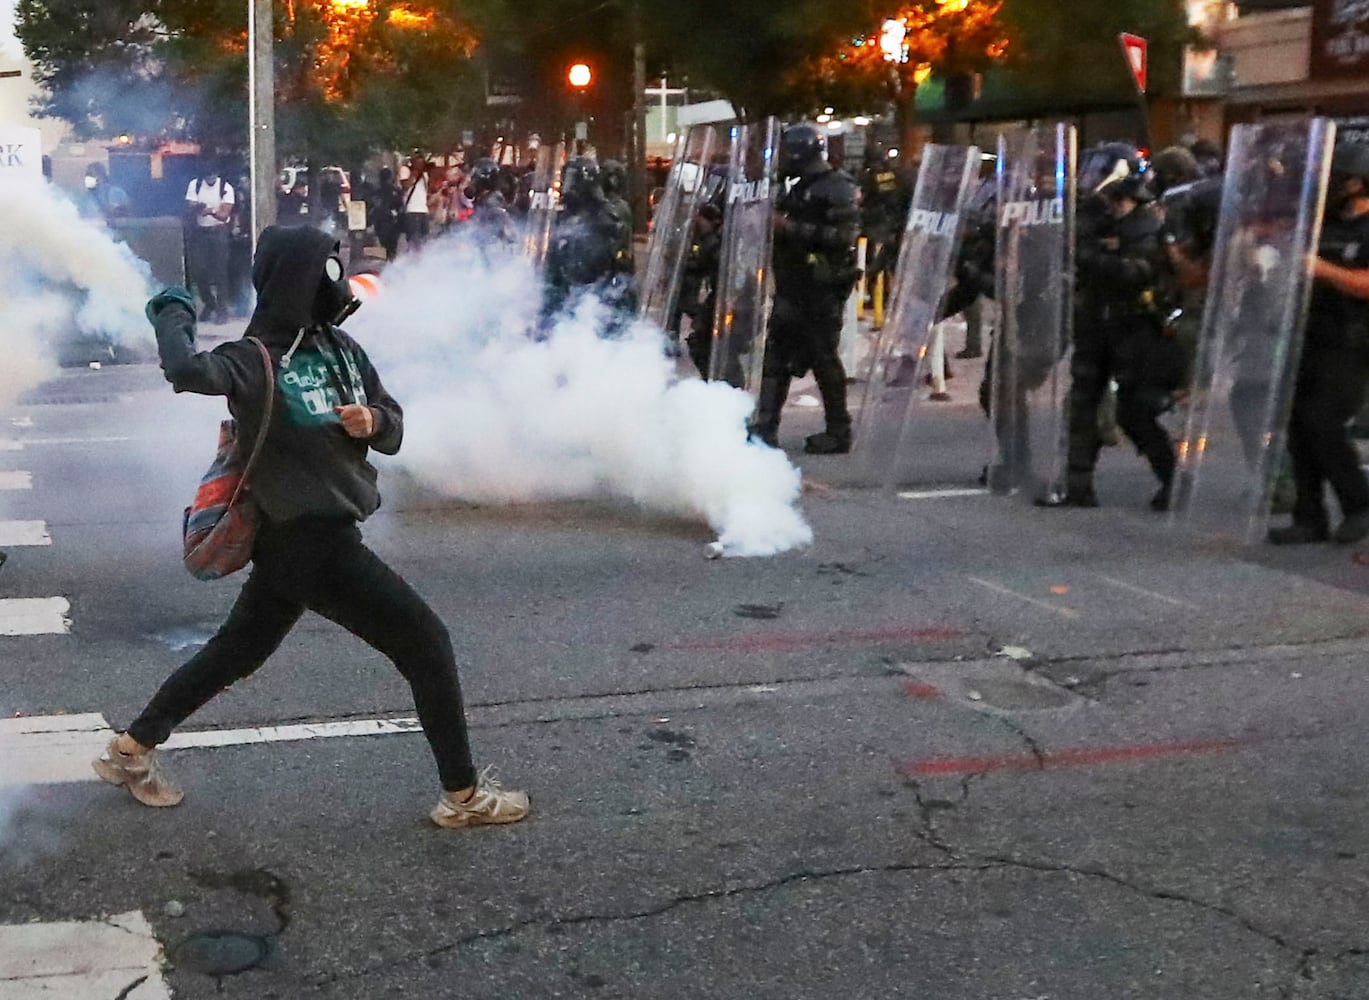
x=312 y=485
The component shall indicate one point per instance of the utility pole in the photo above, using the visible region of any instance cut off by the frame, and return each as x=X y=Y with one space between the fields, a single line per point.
x=637 y=188
x=261 y=76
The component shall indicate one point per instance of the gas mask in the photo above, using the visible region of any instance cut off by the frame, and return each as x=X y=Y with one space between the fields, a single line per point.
x=334 y=302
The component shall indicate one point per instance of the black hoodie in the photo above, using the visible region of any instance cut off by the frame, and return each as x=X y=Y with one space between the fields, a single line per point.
x=309 y=465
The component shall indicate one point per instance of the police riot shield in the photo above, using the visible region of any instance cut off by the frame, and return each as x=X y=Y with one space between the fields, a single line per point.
x=546 y=179
x=895 y=409
x=1232 y=452
x=672 y=228
x=739 y=323
x=1028 y=380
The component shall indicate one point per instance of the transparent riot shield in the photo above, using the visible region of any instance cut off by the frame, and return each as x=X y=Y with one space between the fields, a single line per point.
x=546 y=177
x=1028 y=376
x=1232 y=452
x=744 y=273
x=895 y=401
x=672 y=228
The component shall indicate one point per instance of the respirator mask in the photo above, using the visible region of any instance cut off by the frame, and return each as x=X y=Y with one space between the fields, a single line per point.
x=334 y=301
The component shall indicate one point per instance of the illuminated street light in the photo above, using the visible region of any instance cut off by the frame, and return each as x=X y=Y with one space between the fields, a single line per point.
x=580 y=76
x=892 y=35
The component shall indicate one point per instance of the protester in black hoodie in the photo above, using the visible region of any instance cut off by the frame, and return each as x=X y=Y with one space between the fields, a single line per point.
x=313 y=485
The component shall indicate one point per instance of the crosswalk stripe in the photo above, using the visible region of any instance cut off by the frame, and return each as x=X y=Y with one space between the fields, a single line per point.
x=17 y=533
x=34 y=616
x=117 y=956
x=15 y=480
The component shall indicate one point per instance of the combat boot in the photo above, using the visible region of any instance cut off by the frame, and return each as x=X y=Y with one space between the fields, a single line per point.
x=1298 y=534
x=836 y=439
x=765 y=425
x=1078 y=493
x=827 y=443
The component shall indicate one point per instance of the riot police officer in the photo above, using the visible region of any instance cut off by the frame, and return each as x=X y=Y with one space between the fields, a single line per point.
x=816 y=222
x=699 y=291
x=490 y=221
x=586 y=242
x=613 y=179
x=1123 y=332
x=1334 y=366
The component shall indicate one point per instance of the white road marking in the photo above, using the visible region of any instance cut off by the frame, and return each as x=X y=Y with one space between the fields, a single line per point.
x=9 y=444
x=11 y=480
x=82 y=960
x=58 y=749
x=17 y=533
x=1142 y=591
x=22 y=421
x=34 y=616
x=940 y=494
x=998 y=588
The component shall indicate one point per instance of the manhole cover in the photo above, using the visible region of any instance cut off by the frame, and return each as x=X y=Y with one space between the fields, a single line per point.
x=221 y=953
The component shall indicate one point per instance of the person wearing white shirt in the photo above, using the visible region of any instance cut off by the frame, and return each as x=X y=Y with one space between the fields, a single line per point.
x=209 y=201
x=416 y=204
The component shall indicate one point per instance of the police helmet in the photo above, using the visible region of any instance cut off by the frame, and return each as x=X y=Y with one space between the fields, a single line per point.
x=1133 y=186
x=580 y=181
x=613 y=177
x=1172 y=167
x=801 y=146
x=1107 y=163
x=1352 y=159
x=484 y=175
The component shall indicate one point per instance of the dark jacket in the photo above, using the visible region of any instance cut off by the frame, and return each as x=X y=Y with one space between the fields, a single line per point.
x=309 y=465
x=1122 y=269
x=1336 y=320
x=815 y=251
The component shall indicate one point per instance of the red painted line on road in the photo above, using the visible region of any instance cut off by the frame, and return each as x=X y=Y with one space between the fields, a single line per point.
x=917 y=689
x=1081 y=757
x=783 y=641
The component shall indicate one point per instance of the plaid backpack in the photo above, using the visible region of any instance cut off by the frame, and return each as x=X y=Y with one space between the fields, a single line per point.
x=221 y=523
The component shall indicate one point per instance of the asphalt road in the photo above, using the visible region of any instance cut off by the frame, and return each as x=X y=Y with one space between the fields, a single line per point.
x=960 y=749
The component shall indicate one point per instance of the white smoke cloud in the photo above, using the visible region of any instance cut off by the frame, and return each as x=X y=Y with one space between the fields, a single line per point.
x=67 y=277
x=495 y=416
x=9 y=44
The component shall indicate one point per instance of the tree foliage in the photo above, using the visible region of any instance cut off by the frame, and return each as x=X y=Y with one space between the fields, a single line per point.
x=887 y=62
x=351 y=75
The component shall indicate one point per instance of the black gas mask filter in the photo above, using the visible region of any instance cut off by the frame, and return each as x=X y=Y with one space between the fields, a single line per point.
x=334 y=301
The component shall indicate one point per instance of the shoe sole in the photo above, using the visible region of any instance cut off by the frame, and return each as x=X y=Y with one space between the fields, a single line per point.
x=445 y=823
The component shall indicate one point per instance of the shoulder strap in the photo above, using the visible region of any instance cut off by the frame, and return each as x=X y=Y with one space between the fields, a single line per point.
x=265 y=420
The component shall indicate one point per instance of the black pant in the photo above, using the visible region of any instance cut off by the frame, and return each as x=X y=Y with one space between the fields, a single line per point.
x=1329 y=392
x=321 y=565
x=1148 y=367
x=208 y=253
x=805 y=334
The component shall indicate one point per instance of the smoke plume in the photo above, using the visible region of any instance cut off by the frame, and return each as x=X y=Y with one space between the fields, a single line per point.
x=494 y=415
x=68 y=278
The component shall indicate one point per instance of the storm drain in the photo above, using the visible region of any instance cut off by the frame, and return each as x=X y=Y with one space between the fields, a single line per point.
x=221 y=952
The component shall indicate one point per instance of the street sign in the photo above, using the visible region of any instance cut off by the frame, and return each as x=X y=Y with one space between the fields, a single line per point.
x=1134 y=47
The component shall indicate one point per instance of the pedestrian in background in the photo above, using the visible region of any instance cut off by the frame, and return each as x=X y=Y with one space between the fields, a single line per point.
x=416 y=224
x=209 y=203
x=313 y=485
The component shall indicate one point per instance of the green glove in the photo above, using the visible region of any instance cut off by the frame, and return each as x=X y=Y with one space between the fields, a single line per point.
x=164 y=298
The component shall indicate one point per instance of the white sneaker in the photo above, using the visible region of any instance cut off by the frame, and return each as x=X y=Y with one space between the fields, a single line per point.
x=489 y=804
